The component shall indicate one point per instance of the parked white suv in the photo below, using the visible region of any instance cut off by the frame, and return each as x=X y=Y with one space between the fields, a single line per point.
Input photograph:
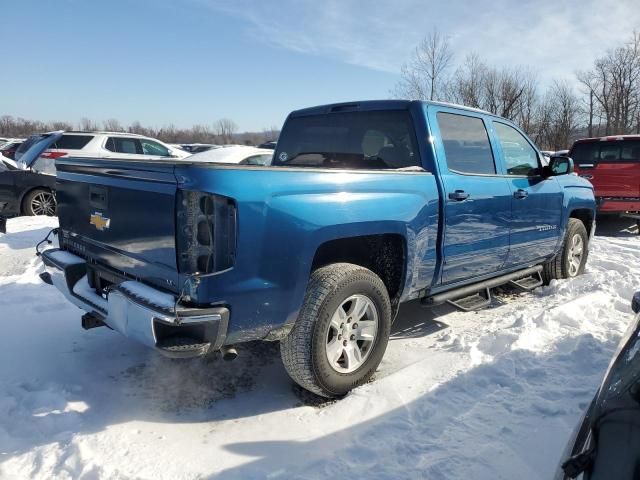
x=127 y=146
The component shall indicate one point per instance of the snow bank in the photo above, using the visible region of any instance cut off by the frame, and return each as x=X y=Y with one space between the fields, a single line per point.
x=485 y=395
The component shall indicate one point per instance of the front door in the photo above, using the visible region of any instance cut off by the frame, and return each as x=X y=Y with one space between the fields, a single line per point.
x=536 y=212
x=477 y=210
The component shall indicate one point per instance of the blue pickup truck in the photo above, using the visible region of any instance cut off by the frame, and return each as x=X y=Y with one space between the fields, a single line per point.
x=366 y=205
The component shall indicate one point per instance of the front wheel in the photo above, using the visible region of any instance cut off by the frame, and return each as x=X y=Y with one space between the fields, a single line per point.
x=342 y=330
x=572 y=259
x=39 y=202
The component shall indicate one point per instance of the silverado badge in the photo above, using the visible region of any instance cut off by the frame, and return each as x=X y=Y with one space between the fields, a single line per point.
x=99 y=221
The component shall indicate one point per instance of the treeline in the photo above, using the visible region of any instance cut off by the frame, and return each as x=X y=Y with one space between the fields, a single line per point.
x=604 y=100
x=221 y=132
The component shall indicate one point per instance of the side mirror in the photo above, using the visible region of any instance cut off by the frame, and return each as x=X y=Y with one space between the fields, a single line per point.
x=558 y=165
x=635 y=303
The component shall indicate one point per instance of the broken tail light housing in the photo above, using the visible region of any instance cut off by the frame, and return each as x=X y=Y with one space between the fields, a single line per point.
x=206 y=232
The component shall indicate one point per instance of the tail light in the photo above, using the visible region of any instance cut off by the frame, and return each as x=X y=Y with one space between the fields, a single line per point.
x=206 y=232
x=52 y=155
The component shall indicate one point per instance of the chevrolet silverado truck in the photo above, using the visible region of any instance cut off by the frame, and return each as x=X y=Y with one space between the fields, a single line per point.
x=366 y=205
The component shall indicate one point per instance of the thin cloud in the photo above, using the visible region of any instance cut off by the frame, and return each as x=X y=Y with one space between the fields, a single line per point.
x=557 y=37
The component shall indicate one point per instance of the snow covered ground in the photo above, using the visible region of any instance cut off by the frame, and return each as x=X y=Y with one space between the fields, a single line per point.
x=485 y=395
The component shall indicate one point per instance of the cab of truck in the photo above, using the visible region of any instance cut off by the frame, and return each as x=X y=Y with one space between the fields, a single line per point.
x=612 y=165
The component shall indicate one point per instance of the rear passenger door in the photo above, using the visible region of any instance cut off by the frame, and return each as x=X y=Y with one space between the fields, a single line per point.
x=536 y=203
x=477 y=203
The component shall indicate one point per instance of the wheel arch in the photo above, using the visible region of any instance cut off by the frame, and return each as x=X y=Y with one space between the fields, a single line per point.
x=385 y=254
x=586 y=216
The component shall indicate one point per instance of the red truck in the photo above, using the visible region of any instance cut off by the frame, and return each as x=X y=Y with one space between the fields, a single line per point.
x=612 y=165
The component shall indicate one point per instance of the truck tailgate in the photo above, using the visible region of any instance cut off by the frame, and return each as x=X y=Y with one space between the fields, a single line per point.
x=121 y=215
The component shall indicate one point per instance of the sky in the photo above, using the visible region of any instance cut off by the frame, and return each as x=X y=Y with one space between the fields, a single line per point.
x=186 y=62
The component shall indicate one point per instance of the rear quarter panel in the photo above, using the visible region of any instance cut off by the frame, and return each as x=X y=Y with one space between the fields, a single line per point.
x=284 y=215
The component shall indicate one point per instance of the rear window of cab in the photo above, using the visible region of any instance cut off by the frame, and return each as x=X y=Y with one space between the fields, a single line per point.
x=606 y=151
x=371 y=140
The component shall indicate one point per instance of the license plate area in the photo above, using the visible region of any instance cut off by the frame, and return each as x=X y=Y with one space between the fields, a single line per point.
x=100 y=279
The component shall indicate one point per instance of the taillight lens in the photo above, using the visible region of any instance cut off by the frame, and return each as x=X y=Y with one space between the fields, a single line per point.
x=206 y=232
x=52 y=155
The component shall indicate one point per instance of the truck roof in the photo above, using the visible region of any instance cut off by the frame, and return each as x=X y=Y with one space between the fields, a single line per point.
x=377 y=105
x=608 y=138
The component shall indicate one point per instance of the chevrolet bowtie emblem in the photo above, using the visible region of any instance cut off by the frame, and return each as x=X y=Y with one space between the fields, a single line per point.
x=99 y=221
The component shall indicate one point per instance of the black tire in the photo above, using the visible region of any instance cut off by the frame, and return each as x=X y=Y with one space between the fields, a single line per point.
x=39 y=201
x=559 y=267
x=304 y=351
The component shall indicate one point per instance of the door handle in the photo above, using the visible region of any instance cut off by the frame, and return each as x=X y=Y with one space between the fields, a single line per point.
x=458 y=195
x=520 y=194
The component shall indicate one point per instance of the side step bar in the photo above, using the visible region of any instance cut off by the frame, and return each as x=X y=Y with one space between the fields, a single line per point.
x=476 y=301
x=460 y=295
x=528 y=283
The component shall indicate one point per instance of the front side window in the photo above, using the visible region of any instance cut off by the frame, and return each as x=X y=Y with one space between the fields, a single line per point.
x=372 y=140
x=124 y=145
x=154 y=148
x=466 y=144
x=519 y=156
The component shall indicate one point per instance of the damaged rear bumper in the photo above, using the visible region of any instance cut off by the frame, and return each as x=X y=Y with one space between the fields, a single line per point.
x=138 y=311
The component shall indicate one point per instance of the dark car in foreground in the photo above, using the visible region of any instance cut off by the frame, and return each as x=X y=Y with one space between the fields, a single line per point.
x=27 y=188
x=365 y=205
x=606 y=444
x=612 y=165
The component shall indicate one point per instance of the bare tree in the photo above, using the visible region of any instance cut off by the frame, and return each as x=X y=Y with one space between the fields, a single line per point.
x=423 y=77
x=87 y=125
x=467 y=85
x=614 y=86
x=112 y=125
x=225 y=128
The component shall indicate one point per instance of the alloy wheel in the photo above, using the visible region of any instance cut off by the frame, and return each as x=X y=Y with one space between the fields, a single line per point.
x=351 y=333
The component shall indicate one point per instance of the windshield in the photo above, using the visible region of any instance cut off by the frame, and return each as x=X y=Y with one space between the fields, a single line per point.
x=351 y=140
x=606 y=151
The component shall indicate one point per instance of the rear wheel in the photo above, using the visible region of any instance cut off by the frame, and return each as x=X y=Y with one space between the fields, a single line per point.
x=342 y=331
x=39 y=202
x=572 y=259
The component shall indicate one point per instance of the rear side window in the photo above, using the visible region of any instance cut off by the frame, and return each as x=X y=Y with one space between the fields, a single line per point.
x=373 y=140
x=124 y=145
x=72 y=142
x=519 y=156
x=590 y=153
x=466 y=144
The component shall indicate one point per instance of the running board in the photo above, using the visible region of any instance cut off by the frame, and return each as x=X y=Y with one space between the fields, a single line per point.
x=476 y=301
x=463 y=295
x=528 y=283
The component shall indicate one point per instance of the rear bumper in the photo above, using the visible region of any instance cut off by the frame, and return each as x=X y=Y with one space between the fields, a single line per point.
x=618 y=204
x=140 y=312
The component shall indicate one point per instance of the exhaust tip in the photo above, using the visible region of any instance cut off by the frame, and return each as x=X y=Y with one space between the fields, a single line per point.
x=229 y=353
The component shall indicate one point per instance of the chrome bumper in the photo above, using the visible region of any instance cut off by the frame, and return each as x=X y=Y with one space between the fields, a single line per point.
x=138 y=311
